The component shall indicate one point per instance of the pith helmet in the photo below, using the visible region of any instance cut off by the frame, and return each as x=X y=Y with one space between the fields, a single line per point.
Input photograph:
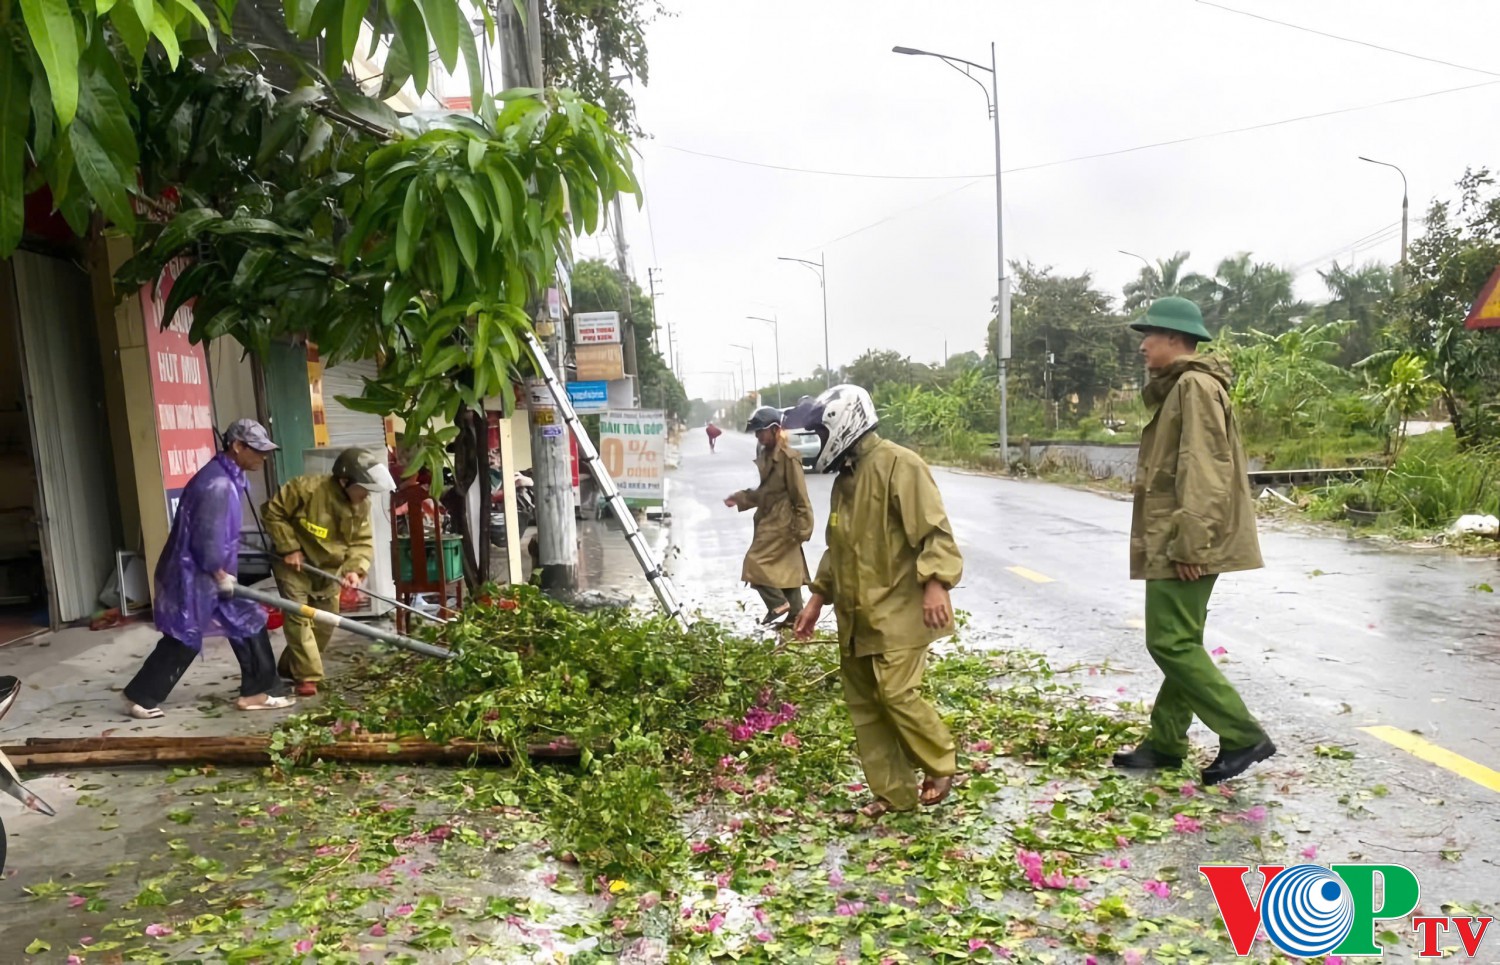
x=1174 y=314
x=362 y=468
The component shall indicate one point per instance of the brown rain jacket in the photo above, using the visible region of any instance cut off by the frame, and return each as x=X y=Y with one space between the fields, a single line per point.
x=888 y=536
x=1192 y=490
x=783 y=520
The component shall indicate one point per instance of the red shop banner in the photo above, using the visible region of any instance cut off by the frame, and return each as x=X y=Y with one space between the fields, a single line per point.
x=179 y=388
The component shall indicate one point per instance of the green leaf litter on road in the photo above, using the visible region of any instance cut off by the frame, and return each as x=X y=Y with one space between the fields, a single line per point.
x=713 y=819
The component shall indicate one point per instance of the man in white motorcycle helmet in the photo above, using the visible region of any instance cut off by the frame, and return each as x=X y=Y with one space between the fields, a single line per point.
x=890 y=563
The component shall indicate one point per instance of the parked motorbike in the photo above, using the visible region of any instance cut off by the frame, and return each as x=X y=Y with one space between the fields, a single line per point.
x=525 y=508
x=10 y=782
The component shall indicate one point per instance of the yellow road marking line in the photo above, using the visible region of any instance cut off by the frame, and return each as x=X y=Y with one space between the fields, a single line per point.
x=1441 y=756
x=1031 y=575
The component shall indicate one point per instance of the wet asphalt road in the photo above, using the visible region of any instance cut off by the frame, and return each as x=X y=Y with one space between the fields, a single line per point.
x=1333 y=636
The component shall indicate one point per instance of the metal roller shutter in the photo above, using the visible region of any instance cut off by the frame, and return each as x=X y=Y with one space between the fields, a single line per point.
x=345 y=426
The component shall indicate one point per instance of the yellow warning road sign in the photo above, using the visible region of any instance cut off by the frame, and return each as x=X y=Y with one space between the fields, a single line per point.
x=1486 y=310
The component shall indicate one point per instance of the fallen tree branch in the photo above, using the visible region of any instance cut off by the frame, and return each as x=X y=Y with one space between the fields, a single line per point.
x=40 y=753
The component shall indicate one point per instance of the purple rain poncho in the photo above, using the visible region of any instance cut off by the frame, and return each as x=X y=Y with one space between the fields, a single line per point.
x=205 y=538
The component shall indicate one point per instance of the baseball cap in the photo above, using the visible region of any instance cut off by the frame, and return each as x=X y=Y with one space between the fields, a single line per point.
x=251 y=433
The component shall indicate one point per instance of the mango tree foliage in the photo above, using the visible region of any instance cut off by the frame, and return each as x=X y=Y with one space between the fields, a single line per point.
x=67 y=68
x=419 y=244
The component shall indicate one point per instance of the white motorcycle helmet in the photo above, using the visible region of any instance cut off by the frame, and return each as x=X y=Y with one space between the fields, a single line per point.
x=841 y=416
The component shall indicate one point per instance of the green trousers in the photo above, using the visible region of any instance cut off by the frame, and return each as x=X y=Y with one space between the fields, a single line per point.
x=896 y=730
x=1176 y=611
x=302 y=658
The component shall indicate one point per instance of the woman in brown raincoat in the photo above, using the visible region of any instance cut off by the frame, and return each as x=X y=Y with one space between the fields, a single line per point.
x=774 y=564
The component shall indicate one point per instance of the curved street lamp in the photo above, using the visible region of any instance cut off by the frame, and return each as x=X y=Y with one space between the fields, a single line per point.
x=1002 y=301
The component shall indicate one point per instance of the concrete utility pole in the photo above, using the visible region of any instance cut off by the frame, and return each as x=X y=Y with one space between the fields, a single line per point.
x=552 y=466
x=660 y=319
x=754 y=377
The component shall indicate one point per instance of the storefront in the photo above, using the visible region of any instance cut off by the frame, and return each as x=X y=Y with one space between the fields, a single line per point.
x=59 y=519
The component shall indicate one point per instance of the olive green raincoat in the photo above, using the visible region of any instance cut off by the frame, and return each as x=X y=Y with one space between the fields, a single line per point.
x=1192 y=490
x=312 y=514
x=888 y=536
x=783 y=520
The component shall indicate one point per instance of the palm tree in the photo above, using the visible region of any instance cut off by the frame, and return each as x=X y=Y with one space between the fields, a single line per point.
x=1164 y=279
x=1358 y=296
x=1245 y=295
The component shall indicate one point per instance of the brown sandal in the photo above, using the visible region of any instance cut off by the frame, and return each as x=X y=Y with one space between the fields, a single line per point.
x=876 y=809
x=935 y=790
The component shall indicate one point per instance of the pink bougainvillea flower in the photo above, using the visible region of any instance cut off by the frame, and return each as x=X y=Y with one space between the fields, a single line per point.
x=1183 y=824
x=836 y=879
x=1090 y=960
x=700 y=847
x=790 y=740
x=1081 y=884
x=378 y=930
x=760 y=915
x=1109 y=863
x=1119 y=690
x=1253 y=815
x=1125 y=864
x=1219 y=652
x=86 y=940
x=1134 y=956
x=1188 y=790
x=549 y=879
x=1121 y=841
x=303 y=947
x=77 y=901
x=716 y=922
x=1334 y=960
x=762 y=936
x=1310 y=852
x=275 y=810
x=158 y=931
x=849 y=909
x=884 y=897
x=1158 y=888
x=981 y=747
x=975 y=944
x=404 y=910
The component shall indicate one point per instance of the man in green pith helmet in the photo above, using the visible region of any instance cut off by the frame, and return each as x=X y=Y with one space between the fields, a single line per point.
x=323 y=520
x=1194 y=518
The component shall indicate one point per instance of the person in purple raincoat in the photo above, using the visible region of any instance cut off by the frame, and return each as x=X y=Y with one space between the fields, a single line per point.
x=202 y=552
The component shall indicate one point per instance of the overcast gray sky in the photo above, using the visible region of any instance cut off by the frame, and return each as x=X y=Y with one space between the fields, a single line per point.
x=911 y=263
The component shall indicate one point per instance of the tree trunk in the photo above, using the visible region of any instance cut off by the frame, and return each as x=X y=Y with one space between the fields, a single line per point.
x=54 y=753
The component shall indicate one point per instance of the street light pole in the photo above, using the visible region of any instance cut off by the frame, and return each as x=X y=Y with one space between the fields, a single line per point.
x=776 y=335
x=1002 y=300
x=821 y=268
x=1404 y=209
x=754 y=378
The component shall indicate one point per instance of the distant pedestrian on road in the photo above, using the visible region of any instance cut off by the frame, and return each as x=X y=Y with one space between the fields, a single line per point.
x=202 y=553
x=774 y=565
x=890 y=563
x=1194 y=519
x=714 y=432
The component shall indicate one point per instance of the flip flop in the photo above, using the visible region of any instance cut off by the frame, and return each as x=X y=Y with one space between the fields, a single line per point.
x=876 y=810
x=270 y=703
x=783 y=611
x=935 y=790
x=144 y=713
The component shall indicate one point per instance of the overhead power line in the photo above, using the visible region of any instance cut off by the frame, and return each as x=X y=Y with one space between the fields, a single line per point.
x=1348 y=40
x=1087 y=157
